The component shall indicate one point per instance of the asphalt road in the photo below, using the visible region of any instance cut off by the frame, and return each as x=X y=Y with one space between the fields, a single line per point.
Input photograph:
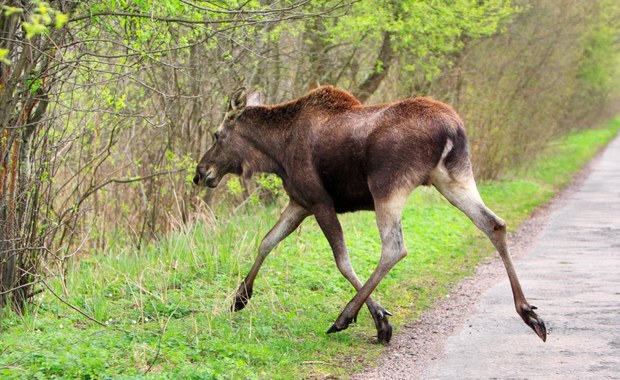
x=571 y=271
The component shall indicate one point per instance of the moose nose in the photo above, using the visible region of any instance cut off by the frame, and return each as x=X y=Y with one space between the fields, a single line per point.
x=201 y=172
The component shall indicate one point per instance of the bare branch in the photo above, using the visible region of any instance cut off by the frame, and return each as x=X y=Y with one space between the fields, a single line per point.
x=245 y=11
x=72 y=306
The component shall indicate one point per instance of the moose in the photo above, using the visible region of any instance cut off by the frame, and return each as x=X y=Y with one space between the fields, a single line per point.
x=336 y=155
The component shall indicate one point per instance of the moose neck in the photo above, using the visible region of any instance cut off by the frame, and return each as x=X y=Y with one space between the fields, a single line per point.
x=265 y=129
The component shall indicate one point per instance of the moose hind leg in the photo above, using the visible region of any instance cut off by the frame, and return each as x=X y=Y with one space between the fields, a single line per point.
x=463 y=194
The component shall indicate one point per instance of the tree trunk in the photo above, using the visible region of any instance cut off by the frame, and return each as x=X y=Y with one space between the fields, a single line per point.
x=382 y=66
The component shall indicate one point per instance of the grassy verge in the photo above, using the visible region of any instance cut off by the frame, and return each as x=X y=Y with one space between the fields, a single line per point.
x=166 y=308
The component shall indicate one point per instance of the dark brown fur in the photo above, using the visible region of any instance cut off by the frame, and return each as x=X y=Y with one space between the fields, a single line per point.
x=336 y=155
x=323 y=146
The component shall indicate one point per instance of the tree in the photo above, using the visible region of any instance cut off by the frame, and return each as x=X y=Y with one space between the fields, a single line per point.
x=30 y=35
x=358 y=51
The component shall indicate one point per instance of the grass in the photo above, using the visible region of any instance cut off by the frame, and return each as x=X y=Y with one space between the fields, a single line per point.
x=166 y=307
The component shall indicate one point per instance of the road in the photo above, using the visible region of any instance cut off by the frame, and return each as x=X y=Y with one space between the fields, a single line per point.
x=571 y=271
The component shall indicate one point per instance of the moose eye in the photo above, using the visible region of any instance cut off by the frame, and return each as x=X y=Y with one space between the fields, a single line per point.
x=216 y=136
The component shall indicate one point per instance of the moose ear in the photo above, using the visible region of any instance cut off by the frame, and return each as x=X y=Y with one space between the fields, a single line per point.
x=254 y=99
x=238 y=99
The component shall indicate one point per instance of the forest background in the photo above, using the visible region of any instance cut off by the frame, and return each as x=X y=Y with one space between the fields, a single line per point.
x=106 y=105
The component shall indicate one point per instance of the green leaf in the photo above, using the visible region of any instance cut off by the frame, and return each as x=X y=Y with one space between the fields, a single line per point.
x=61 y=20
x=3 y=56
x=33 y=29
x=9 y=11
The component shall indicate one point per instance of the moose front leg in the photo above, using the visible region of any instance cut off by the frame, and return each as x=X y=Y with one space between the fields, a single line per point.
x=328 y=221
x=290 y=219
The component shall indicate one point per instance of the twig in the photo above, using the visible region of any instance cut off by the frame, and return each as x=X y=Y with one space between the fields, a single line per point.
x=310 y=362
x=127 y=180
x=246 y=11
x=72 y=306
x=19 y=287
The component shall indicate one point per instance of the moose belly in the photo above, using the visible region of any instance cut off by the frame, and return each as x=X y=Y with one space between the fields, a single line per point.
x=348 y=189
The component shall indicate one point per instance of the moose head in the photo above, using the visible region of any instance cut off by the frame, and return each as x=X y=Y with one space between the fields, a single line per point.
x=226 y=154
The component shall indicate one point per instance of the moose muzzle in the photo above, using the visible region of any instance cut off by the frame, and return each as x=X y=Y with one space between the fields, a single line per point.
x=206 y=176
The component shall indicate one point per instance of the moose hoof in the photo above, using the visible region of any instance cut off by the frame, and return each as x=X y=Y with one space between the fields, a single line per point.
x=239 y=304
x=534 y=321
x=341 y=324
x=242 y=298
x=384 y=335
x=384 y=329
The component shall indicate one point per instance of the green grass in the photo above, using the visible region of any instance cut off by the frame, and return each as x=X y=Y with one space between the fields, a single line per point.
x=166 y=307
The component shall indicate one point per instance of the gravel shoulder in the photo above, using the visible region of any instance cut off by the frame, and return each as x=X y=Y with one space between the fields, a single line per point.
x=568 y=258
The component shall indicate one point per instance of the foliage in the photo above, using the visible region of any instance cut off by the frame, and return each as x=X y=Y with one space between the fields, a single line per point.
x=518 y=90
x=424 y=33
x=166 y=307
x=40 y=16
x=600 y=68
x=3 y=54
